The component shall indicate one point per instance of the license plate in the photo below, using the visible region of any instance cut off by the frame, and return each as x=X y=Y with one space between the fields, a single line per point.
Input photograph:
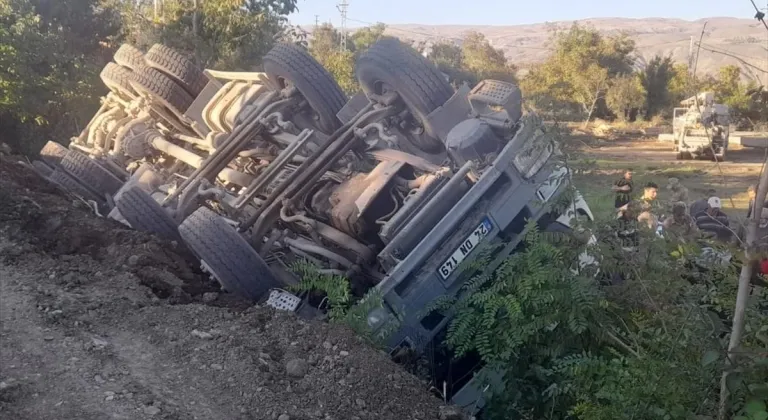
x=467 y=246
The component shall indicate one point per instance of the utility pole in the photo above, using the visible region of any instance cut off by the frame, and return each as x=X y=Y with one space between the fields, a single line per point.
x=317 y=21
x=195 y=16
x=342 y=7
x=690 y=56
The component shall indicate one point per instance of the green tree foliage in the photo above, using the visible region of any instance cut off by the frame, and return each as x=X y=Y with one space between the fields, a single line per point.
x=483 y=60
x=326 y=48
x=625 y=94
x=648 y=348
x=363 y=38
x=476 y=59
x=577 y=75
x=222 y=34
x=50 y=57
x=655 y=79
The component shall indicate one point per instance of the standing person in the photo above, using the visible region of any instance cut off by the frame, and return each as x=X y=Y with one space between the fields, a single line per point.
x=752 y=193
x=623 y=189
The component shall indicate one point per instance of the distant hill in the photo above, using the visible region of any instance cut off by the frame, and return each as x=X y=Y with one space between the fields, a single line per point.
x=525 y=44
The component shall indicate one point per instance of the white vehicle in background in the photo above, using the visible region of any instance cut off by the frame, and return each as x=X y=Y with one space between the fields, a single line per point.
x=701 y=129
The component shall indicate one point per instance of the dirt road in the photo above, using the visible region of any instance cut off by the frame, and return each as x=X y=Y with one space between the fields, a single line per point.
x=102 y=322
x=650 y=150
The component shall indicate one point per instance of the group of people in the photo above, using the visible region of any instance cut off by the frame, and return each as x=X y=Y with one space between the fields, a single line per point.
x=685 y=223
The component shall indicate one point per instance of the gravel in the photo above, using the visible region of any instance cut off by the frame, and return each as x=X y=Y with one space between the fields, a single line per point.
x=87 y=331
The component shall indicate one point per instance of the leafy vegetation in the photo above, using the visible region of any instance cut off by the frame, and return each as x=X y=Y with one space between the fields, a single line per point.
x=644 y=340
x=51 y=52
x=325 y=46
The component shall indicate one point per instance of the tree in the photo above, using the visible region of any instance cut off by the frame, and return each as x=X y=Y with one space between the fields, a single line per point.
x=729 y=90
x=579 y=70
x=325 y=39
x=363 y=38
x=449 y=59
x=486 y=62
x=226 y=34
x=655 y=79
x=50 y=57
x=625 y=94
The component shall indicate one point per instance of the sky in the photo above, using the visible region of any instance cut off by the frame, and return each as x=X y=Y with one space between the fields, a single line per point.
x=513 y=12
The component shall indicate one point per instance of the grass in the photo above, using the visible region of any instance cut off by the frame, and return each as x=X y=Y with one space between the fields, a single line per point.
x=595 y=183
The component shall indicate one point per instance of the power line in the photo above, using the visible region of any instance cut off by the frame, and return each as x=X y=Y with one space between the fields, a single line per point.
x=748 y=65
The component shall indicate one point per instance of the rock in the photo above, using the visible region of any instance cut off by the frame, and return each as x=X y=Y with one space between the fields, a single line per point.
x=451 y=413
x=360 y=403
x=99 y=343
x=296 y=368
x=201 y=334
x=151 y=410
x=284 y=417
x=327 y=345
x=99 y=379
x=133 y=260
x=344 y=353
x=210 y=297
x=216 y=366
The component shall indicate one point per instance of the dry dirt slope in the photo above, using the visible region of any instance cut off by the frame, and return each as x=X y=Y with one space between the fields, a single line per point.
x=525 y=44
x=101 y=322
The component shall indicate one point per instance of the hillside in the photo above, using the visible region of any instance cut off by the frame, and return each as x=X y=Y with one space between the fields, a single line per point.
x=525 y=44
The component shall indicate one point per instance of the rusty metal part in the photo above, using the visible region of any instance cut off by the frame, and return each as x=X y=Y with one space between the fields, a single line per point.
x=352 y=200
x=311 y=170
x=398 y=155
x=329 y=233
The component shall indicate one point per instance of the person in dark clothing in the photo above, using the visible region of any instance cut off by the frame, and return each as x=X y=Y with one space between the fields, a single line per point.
x=713 y=220
x=623 y=189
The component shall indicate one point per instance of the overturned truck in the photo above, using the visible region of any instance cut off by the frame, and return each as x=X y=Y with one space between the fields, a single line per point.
x=395 y=188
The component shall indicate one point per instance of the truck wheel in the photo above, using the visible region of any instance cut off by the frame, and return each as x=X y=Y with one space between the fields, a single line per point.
x=91 y=173
x=42 y=168
x=118 y=79
x=146 y=214
x=176 y=65
x=130 y=57
x=162 y=87
x=52 y=153
x=288 y=63
x=390 y=65
x=72 y=185
x=233 y=262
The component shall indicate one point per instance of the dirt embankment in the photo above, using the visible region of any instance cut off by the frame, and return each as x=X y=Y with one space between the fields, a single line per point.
x=99 y=322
